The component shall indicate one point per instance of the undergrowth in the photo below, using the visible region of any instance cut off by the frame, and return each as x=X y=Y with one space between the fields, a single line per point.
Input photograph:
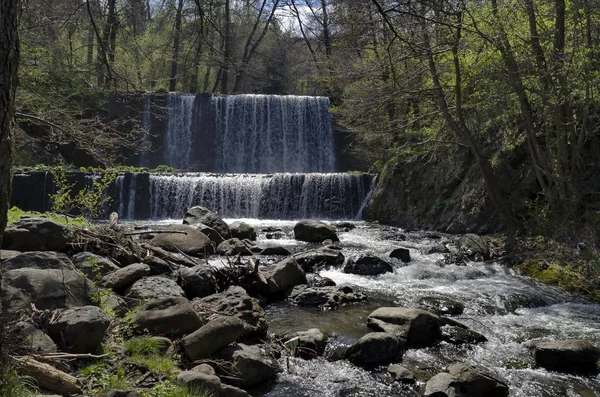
x=15 y=214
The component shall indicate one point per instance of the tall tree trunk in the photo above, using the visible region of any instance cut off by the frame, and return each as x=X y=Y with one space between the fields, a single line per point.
x=9 y=61
x=90 y=45
x=176 y=40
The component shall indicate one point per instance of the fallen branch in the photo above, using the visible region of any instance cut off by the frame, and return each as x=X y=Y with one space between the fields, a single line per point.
x=155 y=232
x=162 y=254
x=73 y=355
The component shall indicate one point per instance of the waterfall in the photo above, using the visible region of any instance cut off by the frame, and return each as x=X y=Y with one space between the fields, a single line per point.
x=180 y=128
x=267 y=196
x=119 y=184
x=271 y=133
x=146 y=125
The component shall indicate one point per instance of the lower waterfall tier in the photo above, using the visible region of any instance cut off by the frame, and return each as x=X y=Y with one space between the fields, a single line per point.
x=264 y=196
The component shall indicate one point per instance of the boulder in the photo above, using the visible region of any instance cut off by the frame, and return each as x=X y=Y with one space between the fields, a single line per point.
x=47 y=279
x=402 y=254
x=319 y=258
x=209 y=384
x=233 y=246
x=37 y=234
x=314 y=231
x=242 y=231
x=249 y=366
x=124 y=277
x=235 y=301
x=459 y=335
x=575 y=356
x=367 y=265
x=418 y=327
x=168 y=316
x=80 y=329
x=283 y=276
x=8 y=254
x=471 y=381
x=442 y=306
x=474 y=247
x=211 y=233
x=34 y=339
x=232 y=391
x=401 y=374
x=198 y=281
x=316 y=280
x=441 y=385
x=219 y=332
x=307 y=344
x=154 y=288
x=157 y=265
x=194 y=242
x=93 y=266
x=123 y=393
x=375 y=348
x=276 y=251
x=325 y=297
x=202 y=215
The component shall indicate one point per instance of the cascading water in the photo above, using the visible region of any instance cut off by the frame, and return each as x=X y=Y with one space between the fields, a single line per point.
x=146 y=125
x=180 y=128
x=271 y=133
x=267 y=196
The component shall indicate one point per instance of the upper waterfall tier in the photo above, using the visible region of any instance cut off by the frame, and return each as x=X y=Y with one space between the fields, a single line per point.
x=272 y=133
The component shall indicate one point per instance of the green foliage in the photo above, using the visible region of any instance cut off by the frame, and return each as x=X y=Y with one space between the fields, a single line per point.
x=104 y=378
x=145 y=351
x=14 y=384
x=88 y=201
x=143 y=346
x=101 y=299
x=163 y=168
x=14 y=214
x=170 y=389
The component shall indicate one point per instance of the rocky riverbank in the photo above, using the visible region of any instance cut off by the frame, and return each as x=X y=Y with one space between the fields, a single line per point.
x=233 y=309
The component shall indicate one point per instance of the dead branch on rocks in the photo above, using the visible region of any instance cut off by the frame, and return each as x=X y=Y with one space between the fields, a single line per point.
x=169 y=257
x=108 y=242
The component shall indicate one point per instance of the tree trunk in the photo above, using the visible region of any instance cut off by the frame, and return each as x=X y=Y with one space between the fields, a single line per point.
x=176 y=39
x=227 y=52
x=9 y=61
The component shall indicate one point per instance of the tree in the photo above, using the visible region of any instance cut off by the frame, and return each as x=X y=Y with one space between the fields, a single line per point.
x=9 y=61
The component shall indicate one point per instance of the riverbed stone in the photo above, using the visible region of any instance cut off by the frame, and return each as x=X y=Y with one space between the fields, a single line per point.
x=314 y=231
x=211 y=233
x=316 y=280
x=233 y=246
x=154 y=288
x=250 y=366
x=203 y=215
x=232 y=391
x=442 y=306
x=173 y=316
x=283 y=276
x=157 y=266
x=219 y=332
x=193 y=243
x=210 y=384
x=402 y=254
x=575 y=356
x=236 y=301
x=418 y=327
x=8 y=254
x=125 y=277
x=475 y=247
x=34 y=339
x=326 y=297
x=80 y=329
x=93 y=266
x=242 y=230
x=460 y=336
x=308 y=344
x=463 y=380
x=367 y=265
x=49 y=280
x=401 y=374
x=198 y=281
x=37 y=234
x=276 y=250
x=375 y=348
x=320 y=258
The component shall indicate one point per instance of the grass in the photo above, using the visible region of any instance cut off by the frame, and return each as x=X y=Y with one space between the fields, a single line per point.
x=169 y=389
x=15 y=214
x=15 y=385
x=146 y=351
x=104 y=378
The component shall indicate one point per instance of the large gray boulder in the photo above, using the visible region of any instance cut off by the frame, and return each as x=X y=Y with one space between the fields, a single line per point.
x=313 y=260
x=8 y=254
x=367 y=265
x=124 y=277
x=233 y=246
x=93 y=266
x=232 y=391
x=249 y=365
x=418 y=327
x=574 y=356
x=474 y=247
x=36 y=234
x=198 y=281
x=202 y=215
x=242 y=231
x=283 y=276
x=219 y=332
x=47 y=279
x=308 y=344
x=34 y=339
x=80 y=329
x=442 y=306
x=211 y=233
x=193 y=242
x=314 y=231
x=236 y=301
x=463 y=380
x=375 y=348
x=401 y=253
x=154 y=288
x=168 y=316
x=157 y=265
x=329 y=297
x=209 y=384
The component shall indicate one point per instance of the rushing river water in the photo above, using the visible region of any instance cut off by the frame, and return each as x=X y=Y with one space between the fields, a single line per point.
x=511 y=311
